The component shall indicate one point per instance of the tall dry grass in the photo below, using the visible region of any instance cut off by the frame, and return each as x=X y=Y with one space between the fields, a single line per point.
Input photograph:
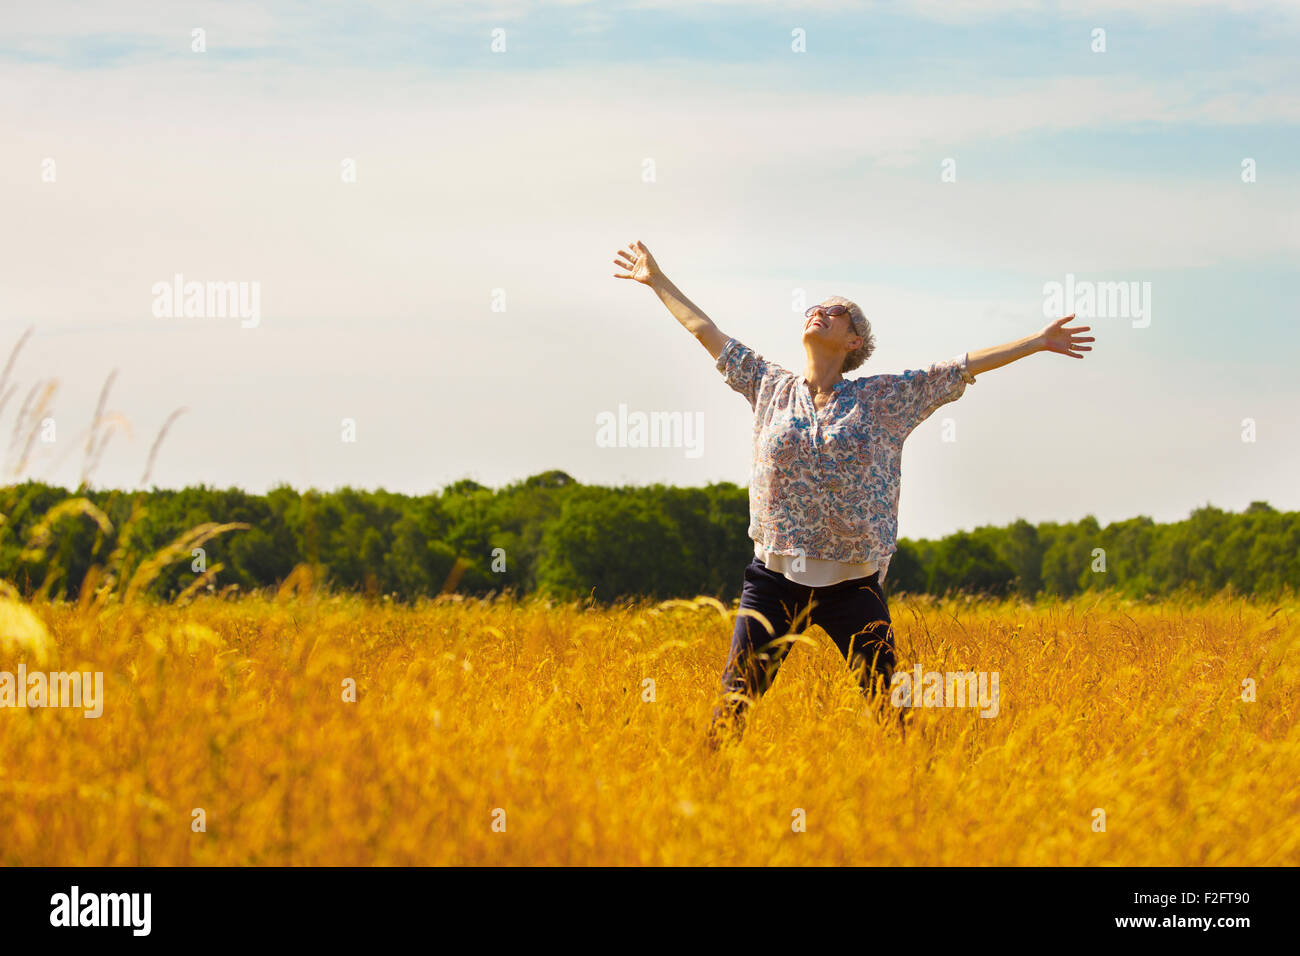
x=467 y=707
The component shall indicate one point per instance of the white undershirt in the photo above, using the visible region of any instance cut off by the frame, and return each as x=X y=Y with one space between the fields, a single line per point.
x=817 y=572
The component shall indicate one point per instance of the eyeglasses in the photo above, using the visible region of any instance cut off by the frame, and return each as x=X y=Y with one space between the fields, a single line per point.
x=829 y=310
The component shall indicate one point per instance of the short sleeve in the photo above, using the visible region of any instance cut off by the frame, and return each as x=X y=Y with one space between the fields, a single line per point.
x=912 y=397
x=744 y=369
x=966 y=376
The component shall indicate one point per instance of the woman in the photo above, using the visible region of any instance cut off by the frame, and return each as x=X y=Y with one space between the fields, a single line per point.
x=823 y=491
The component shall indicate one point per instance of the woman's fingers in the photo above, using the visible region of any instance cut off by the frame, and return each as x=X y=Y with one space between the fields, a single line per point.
x=628 y=260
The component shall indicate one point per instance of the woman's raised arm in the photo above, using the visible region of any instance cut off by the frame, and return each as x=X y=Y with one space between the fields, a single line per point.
x=1054 y=338
x=639 y=265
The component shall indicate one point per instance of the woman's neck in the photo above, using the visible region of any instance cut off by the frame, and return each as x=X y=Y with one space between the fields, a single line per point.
x=822 y=373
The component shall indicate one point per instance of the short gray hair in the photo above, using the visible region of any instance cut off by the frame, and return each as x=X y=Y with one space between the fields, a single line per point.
x=861 y=326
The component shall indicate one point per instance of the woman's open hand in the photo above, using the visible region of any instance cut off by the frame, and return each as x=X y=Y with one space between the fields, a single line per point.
x=637 y=263
x=1057 y=338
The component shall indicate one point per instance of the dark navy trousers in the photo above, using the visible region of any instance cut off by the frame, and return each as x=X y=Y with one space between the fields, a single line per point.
x=853 y=613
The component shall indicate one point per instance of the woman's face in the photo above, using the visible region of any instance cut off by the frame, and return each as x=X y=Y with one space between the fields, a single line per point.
x=832 y=329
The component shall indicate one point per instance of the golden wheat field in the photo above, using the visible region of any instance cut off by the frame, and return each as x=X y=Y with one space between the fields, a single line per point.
x=535 y=716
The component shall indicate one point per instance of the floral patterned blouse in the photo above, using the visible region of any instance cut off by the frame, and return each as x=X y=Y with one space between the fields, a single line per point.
x=825 y=483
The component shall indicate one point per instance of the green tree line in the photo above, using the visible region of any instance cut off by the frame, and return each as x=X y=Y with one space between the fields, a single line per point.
x=550 y=534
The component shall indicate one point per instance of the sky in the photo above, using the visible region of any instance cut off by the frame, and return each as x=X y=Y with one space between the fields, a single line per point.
x=427 y=199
